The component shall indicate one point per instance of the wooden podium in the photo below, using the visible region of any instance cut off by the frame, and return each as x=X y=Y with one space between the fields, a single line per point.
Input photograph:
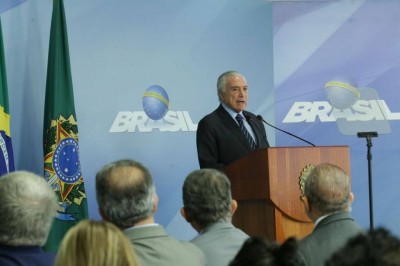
x=266 y=185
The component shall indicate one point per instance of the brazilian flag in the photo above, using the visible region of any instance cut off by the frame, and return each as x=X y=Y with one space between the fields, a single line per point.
x=6 y=153
x=62 y=169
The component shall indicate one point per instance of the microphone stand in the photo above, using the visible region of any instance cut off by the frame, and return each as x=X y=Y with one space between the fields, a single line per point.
x=368 y=136
x=284 y=131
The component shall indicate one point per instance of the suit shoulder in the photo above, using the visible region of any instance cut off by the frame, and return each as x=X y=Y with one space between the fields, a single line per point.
x=211 y=117
x=193 y=249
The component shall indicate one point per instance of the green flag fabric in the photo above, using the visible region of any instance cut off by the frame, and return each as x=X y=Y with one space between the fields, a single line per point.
x=6 y=150
x=62 y=168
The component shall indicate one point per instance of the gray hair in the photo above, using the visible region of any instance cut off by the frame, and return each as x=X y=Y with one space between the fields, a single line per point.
x=125 y=192
x=207 y=196
x=27 y=207
x=221 y=83
x=328 y=189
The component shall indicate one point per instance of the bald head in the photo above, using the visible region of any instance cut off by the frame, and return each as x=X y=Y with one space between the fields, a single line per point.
x=328 y=189
x=124 y=176
x=125 y=192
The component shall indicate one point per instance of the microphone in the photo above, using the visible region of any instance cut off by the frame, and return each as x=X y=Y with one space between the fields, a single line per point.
x=259 y=117
x=250 y=120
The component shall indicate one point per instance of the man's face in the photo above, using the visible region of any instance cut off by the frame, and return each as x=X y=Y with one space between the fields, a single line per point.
x=235 y=94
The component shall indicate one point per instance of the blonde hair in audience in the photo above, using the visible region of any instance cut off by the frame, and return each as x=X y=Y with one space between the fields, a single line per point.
x=95 y=243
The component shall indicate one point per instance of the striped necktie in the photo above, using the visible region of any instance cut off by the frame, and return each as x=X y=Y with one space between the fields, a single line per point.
x=246 y=133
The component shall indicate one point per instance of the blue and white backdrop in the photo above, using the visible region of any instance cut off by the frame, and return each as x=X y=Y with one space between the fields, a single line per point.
x=323 y=70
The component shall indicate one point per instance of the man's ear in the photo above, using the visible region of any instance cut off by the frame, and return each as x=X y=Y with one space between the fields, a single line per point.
x=185 y=215
x=220 y=94
x=307 y=204
x=155 y=206
x=234 y=206
x=351 y=197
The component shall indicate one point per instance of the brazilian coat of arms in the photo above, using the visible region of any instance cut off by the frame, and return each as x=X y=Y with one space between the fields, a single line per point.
x=62 y=166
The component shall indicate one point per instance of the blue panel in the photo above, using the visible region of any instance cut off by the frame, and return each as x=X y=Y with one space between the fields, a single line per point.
x=8 y=4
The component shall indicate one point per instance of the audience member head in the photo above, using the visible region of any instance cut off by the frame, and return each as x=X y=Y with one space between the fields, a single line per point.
x=327 y=189
x=27 y=207
x=94 y=243
x=126 y=193
x=376 y=248
x=257 y=251
x=207 y=198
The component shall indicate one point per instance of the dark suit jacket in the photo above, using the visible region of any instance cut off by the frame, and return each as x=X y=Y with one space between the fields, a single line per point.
x=153 y=247
x=25 y=255
x=328 y=237
x=220 y=140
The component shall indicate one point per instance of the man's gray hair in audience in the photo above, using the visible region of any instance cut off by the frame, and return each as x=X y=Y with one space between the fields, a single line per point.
x=207 y=196
x=27 y=207
x=328 y=188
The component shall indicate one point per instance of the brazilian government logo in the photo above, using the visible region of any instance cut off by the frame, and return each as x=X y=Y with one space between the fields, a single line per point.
x=155 y=102
x=62 y=166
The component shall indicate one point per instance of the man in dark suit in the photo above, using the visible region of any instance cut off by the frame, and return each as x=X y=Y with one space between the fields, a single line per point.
x=127 y=197
x=27 y=207
x=327 y=199
x=221 y=139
